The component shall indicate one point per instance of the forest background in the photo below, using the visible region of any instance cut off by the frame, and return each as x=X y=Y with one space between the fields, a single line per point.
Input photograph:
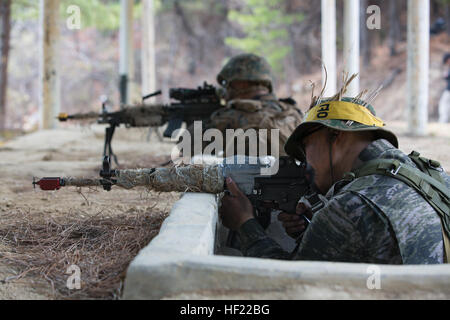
x=194 y=38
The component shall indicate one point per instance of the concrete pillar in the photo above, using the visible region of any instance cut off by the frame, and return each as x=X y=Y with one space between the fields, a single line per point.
x=351 y=43
x=126 y=50
x=49 y=70
x=329 y=45
x=148 y=48
x=418 y=65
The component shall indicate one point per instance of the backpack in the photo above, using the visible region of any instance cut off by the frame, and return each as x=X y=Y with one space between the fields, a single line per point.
x=425 y=179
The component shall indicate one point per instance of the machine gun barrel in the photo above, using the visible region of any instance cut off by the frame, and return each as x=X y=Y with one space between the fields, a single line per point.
x=191 y=105
x=78 y=116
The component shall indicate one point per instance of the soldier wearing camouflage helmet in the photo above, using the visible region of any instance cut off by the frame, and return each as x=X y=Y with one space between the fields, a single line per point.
x=247 y=82
x=378 y=204
x=248 y=68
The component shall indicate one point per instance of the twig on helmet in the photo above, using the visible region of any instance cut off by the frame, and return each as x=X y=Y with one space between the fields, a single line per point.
x=373 y=95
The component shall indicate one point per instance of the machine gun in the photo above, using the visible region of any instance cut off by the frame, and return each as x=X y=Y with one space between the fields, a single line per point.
x=280 y=191
x=191 y=105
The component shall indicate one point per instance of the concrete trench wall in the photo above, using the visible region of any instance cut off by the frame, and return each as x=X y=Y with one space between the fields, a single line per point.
x=182 y=263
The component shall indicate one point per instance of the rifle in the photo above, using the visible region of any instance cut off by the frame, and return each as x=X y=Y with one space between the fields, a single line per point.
x=280 y=191
x=191 y=105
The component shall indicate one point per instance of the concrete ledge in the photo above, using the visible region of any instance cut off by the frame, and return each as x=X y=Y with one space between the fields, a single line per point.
x=189 y=229
x=219 y=277
x=180 y=264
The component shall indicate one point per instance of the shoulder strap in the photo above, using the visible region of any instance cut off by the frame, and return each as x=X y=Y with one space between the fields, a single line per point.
x=432 y=189
x=431 y=167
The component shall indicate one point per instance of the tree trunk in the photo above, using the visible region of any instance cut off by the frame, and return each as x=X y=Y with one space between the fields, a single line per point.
x=394 y=27
x=5 y=29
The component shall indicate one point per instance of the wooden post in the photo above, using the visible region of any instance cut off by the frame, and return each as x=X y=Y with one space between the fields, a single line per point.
x=148 y=48
x=49 y=70
x=351 y=43
x=126 y=50
x=418 y=65
x=329 y=45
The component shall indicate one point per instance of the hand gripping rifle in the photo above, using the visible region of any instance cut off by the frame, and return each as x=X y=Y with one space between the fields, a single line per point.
x=191 y=105
x=280 y=191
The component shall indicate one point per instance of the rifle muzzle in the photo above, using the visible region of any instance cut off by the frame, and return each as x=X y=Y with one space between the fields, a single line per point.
x=63 y=117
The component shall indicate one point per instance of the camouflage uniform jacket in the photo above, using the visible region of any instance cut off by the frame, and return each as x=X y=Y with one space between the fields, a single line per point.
x=262 y=112
x=371 y=219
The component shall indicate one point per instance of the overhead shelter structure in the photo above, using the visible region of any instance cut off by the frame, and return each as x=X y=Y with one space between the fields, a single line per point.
x=148 y=48
x=418 y=66
x=418 y=34
x=126 y=63
x=50 y=96
x=328 y=25
x=351 y=43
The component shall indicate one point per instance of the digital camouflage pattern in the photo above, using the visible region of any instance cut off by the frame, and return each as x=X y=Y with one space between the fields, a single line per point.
x=264 y=112
x=246 y=67
x=371 y=219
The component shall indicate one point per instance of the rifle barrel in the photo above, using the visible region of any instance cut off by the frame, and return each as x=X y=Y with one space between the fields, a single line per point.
x=208 y=179
x=78 y=116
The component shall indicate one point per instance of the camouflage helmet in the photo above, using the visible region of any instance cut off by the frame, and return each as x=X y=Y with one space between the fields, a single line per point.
x=246 y=67
x=348 y=114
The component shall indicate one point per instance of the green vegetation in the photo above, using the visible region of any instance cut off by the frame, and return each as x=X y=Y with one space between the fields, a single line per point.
x=265 y=24
x=101 y=14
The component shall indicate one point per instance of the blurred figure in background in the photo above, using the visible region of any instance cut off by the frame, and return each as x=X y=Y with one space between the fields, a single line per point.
x=438 y=26
x=444 y=102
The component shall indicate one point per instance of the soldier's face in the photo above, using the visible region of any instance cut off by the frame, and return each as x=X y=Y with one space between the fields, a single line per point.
x=316 y=148
x=239 y=89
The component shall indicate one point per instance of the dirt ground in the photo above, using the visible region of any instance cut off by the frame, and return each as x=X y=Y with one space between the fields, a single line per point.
x=76 y=151
x=70 y=152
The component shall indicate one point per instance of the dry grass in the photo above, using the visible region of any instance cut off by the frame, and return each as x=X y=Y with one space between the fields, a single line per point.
x=102 y=246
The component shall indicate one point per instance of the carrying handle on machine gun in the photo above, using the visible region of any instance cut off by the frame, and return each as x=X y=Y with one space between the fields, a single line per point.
x=156 y=93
